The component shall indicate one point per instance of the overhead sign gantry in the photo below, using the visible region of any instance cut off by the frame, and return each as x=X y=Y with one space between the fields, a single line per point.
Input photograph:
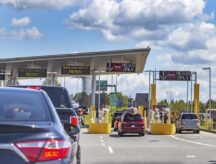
x=176 y=76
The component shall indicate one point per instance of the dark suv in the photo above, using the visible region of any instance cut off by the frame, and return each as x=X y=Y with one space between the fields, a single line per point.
x=62 y=103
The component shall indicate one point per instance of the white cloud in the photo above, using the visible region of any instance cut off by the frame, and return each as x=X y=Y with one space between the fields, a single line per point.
x=149 y=19
x=42 y=4
x=21 y=22
x=24 y=33
x=192 y=36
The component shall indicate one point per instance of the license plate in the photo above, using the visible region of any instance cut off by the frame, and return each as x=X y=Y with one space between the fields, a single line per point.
x=133 y=126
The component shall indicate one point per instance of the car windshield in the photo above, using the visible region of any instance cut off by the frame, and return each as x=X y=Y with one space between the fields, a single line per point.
x=23 y=106
x=129 y=117
x=189 y=116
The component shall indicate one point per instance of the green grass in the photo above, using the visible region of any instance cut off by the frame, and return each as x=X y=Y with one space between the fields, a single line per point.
x=86 y=119
x=114 y=109
x=204 y=127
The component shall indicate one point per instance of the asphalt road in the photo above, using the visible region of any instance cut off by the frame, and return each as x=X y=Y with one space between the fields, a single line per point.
x=151 y=149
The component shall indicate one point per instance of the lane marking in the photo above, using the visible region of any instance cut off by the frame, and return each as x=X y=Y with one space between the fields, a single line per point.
x=103 y=144
x=208 y=133
x=194 y=142
x=101 y=137
x=110 y=150
x=190 y=156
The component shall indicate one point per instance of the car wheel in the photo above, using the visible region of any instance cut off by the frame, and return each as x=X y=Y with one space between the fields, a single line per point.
x=179 y=131
x=120 y=134
x=142 y=134
x=197 y=131
x=78 y=156
x=115 y=129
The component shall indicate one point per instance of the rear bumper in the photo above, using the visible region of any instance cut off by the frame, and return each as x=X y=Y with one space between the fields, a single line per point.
x=133 y=130
x=186 y=128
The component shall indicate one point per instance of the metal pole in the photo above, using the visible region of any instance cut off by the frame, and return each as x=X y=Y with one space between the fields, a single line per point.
x=99 y=93
x=93 y=89
x=187 y=97
x=77 y=89
x=112 y=83
x=209 y=68
x=210 y=88
x=64 y=81
x=149 y=95
x=191 y=107
x=210 y=107
x=116 y=82
x=170 y=101
x=155 y=75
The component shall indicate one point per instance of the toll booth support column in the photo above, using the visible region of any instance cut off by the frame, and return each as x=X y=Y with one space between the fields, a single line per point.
x=84 y=83
x=53 y=79
x=93 y=90
x=196 y=99
x=153 y=95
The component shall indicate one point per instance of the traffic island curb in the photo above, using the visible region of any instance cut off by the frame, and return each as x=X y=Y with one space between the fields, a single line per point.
x=205 y=130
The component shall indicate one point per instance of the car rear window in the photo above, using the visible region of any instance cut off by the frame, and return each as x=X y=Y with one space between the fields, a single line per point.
x=117 y=114
x=129 y=117
x=23 y=106
x=58 y=97
x=189 y=116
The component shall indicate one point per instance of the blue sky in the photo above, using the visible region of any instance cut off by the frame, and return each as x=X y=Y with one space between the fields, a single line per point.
x=181 y=33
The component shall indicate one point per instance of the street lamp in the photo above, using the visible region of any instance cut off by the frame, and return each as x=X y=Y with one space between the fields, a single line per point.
x=209 y=68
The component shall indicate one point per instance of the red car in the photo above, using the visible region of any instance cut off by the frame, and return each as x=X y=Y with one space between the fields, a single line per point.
x=131 y=123
x=117 y=120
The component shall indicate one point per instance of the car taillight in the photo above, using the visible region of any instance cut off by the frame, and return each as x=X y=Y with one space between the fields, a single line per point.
x=124 y=123
x=47 y=150
x=74 y=120
x=140 y=122
x=34 y=87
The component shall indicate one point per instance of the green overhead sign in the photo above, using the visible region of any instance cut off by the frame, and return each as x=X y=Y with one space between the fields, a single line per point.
x=103 y=85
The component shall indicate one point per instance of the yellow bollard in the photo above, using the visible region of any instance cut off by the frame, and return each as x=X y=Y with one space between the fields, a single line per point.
x=196 y=99
x=141 y=110
x=145 y=119
x=92 y=114
x=153 y=95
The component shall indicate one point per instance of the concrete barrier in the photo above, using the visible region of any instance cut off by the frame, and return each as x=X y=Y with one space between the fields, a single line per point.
x=162 y=129
x=99 y=128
